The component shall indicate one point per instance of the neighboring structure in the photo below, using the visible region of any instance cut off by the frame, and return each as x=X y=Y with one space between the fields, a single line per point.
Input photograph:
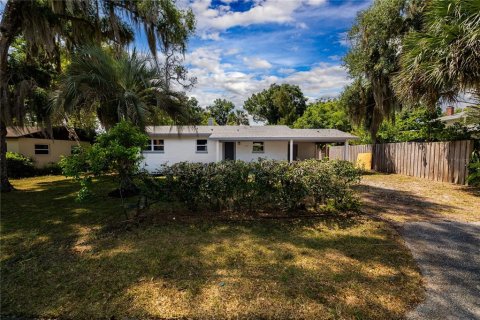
x=451 y=117
x=172 y=144
x=42 y=147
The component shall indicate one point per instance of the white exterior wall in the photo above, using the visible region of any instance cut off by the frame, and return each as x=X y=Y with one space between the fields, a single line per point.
x=179 y=150
x=273 y=150
x=185 y=149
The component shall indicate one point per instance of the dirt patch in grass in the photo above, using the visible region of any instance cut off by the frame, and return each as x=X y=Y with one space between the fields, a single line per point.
x=58 y=261
x=402 y=198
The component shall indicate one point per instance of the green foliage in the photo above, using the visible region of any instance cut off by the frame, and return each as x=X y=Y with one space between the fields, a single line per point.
x=324 y=114
x=373 y=59
x=118 y=151
x=279 y=104
x=19 y=166
x=421 y=124
x=221 y=110
x=49 y=169
x=127 y=87
x=442 y=59
x=262 y=185
x=196 y=114
x=473 y=178
x=416 y=124
x=237 y=118
x=52 y=30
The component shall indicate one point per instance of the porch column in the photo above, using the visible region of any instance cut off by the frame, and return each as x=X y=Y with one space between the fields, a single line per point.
x=217 y=153
x=291 y=151
x=346 y=151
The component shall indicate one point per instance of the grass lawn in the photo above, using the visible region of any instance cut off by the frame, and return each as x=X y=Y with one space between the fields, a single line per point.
x=402 y=199
x=62 y=258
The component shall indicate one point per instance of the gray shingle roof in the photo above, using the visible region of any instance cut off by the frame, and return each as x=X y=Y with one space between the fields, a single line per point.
x=253 y=133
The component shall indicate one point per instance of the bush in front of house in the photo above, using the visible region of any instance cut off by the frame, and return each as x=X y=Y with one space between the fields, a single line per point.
x=19 y=166
x=265 y=185
x=116 y=152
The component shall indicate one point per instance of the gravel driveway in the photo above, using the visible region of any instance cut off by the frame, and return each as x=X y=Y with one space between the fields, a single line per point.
x=448 y=254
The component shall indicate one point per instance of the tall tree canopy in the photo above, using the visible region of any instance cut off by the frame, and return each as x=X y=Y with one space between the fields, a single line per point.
x=279 y=104
x=220 y=110
x=324 y=115
x=51 y=28
x=238 y=118
x=122 y=87
x=373 y=58
x=442 y=59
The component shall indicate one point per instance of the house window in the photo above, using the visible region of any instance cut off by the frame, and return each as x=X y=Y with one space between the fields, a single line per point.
x=155 y=145
x=41 y=149
x=258 y=147
x=202 y=146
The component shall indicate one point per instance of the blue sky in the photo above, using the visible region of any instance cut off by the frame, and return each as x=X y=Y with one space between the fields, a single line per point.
x=243 y=46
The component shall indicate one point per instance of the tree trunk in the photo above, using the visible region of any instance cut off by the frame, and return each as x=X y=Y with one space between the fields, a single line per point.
x=9 y=27
x=5 y=185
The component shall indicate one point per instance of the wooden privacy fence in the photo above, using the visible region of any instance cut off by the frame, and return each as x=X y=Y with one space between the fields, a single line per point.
x=438 y=161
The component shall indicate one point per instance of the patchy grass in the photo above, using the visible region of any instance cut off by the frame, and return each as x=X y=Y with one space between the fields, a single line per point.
x=59 y=259
x=402 y=198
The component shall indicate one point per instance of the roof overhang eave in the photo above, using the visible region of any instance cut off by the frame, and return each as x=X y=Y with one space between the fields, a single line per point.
x=297 y=139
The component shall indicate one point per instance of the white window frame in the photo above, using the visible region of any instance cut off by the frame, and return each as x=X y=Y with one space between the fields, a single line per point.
x=156 y=143
x=35 y=149
x=201 y=145
x=258 y=143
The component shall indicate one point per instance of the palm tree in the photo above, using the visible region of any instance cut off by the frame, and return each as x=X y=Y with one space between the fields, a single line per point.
x=442 y=60
x=117 y=87
x=52 y=28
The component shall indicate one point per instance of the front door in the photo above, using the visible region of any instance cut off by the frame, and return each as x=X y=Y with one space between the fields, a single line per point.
x=229 y=151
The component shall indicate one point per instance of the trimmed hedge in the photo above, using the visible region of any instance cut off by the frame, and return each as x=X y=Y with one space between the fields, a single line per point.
x=260 y=186
x=19 y=166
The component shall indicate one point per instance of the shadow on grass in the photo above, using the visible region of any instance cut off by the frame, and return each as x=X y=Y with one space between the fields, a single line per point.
x=55 y=265
x=377 y=200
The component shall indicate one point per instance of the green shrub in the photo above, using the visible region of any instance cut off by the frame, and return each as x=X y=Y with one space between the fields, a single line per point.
x=49 y=169
x=474 y=169
x=260 y=186
x=19 y=166
x=116 y=152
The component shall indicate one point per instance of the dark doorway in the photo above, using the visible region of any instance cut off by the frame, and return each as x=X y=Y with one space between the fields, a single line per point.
x=229 y=151
x=295 y=152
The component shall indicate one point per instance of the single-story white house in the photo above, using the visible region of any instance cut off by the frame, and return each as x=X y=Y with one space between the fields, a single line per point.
x=173 y=144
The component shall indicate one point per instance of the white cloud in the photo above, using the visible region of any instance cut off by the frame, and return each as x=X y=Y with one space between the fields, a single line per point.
x=231 y=51
x=286 y=70
x=301 y=25
x=210 y=36
x=315 y=2
x=323 y=79
x=343 y=39
x=217 y=79
x=335 y=57
x=256 y=63
x=262 y=11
